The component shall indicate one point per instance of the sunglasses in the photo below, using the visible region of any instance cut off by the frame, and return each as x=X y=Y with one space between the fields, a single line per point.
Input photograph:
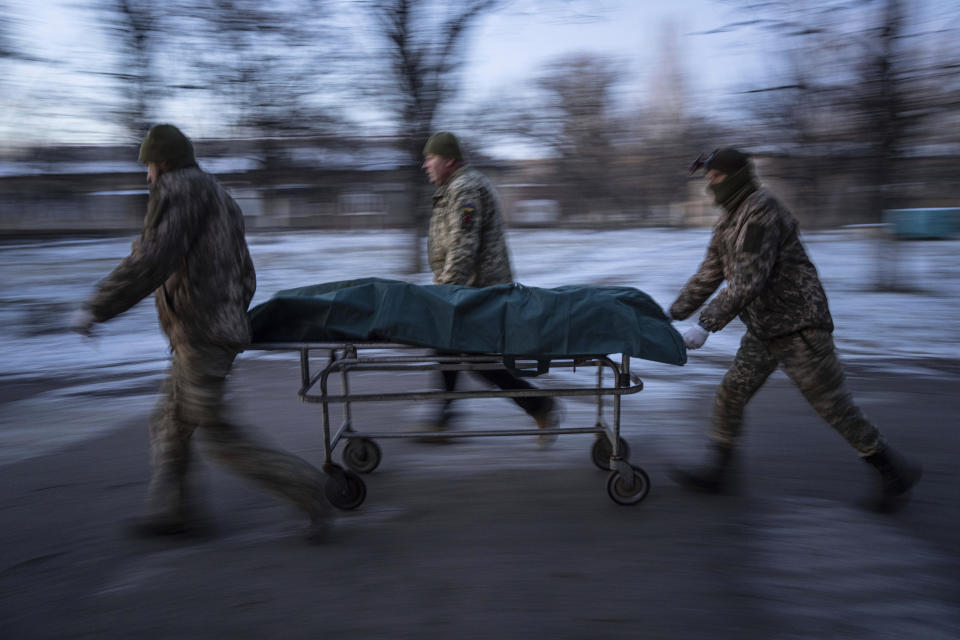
x=701 y=161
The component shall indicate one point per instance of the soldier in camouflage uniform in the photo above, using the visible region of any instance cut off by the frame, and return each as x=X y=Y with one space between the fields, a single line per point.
x=193 y=257
x=467 y=246
x=774 y=289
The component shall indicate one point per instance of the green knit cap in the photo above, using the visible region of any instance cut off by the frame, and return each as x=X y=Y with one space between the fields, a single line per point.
x=166 y=143
x=444 y=143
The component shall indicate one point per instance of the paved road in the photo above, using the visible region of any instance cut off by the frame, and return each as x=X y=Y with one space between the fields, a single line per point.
x=495 y=538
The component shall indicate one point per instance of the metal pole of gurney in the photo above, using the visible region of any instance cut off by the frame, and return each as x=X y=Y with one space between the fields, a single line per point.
x=347 y=419
x=617 y=462
x=599 y=397
x=621 y=381
x=304 y=369
x=327 y=445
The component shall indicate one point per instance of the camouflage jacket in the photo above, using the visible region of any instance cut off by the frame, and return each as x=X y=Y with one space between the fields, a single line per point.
x=467 y=243
x=193 y=256
x=771 y=283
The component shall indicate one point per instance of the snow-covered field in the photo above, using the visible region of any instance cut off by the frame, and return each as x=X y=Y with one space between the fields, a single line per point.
x=43 y=281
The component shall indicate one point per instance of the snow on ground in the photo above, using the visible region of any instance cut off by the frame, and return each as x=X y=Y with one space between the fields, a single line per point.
x=43 y=281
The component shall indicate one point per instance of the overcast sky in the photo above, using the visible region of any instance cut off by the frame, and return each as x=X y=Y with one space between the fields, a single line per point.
x=505 y=49
x=509 y=46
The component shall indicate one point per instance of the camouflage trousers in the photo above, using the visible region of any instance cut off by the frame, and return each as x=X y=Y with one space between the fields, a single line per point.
x=809 y=358
x=192 y=400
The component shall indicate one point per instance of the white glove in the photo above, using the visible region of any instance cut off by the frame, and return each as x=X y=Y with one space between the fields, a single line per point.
x=82 y=321
x=695 y=336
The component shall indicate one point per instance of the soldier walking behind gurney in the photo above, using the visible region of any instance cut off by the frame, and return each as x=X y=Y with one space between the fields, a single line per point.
x=774 y=288
x=192 y=255
x=467 y=246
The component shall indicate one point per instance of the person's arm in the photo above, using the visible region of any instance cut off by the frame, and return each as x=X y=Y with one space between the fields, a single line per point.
x=700 y=286
x=757 y=249
x=464 y=225
x=167 y=235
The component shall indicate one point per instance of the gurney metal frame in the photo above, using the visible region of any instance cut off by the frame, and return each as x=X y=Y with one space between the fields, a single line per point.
x=626 y=484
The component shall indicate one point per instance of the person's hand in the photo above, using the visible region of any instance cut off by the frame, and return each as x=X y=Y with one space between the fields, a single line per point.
x=82 y=321
x=695 y=336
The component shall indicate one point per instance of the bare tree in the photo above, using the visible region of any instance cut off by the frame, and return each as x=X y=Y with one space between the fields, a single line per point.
x=802 y=116
x=853 y=81
x=578 y=125
x=264 y=64
x=424 y=45
x=669 y=130
x=900 y=99
x=883 y=103
x=608 y=157
x=134 y=27
x=565 y=115
x=871 y=99
x=7 y=49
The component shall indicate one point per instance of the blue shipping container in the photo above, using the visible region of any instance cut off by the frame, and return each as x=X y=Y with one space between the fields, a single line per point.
x=923 y=223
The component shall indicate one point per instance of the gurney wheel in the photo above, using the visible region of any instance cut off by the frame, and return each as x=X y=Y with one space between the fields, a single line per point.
x=345 y=490
x=619 y=493
x=601 y=451
x=361 y=454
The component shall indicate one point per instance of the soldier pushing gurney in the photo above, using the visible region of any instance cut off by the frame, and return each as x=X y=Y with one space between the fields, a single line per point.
x=774 y=289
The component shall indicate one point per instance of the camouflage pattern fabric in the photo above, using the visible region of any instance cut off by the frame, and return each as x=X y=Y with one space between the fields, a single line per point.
x=809 y=358
x=468 y=246
x=467 y=243
x=193 y=256
x=771 y=283
x=192 y=399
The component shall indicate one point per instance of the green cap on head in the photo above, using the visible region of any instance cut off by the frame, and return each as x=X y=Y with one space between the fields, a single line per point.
x=444 y=143
x=166 y=143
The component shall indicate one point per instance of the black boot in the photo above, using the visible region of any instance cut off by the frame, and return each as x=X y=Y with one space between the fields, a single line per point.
x=897 y=477
x=711 y=477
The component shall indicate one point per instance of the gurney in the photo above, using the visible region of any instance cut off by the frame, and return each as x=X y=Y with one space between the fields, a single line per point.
x=381 y=325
